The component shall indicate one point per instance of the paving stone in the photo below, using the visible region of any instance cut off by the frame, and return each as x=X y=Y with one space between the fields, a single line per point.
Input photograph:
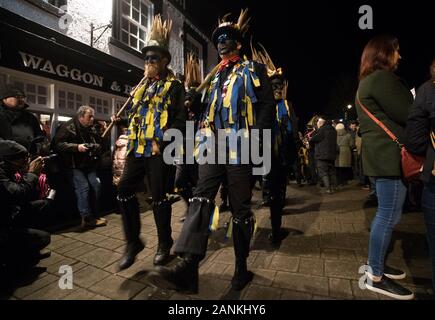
x=58 y=243
x=348 y=255
x=90 y=237
x=136 y=272
x=108 y=230
x=117 y=288
x=40 y=283
x=88 y=276
x=80 y=251
x=294 y=295
x=54 y=268
x=302 y=283
x=340 y=288
x=310 y=266
x=53 y=259
x=284 y=263
x=329 y=254
x=80 y=294
x=145 y=294
x=262 y=261
x=256 y=292
x=263 y=277
x=210 y=289
x=50 y=292
x=73 y=244
x=100 y=257
x=110 y=244
x=99 y=297
x=342 y=269
x=216 y=269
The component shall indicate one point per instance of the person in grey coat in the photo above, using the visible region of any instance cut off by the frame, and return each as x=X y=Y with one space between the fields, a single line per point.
x=343 y=163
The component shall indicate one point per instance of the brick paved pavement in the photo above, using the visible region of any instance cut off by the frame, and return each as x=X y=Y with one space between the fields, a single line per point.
x=320 y=263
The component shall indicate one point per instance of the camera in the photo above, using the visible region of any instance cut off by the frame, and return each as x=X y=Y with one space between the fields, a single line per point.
x=91 y=146
x=93 y=149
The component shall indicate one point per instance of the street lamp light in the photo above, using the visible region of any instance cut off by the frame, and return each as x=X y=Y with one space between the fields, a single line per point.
x=346 y=111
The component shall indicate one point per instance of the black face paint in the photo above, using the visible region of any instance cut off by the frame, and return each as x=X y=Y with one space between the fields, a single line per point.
x=152 y=58
x=226 y=45
x=278 y=88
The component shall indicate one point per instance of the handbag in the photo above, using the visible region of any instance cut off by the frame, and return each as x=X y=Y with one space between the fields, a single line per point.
x=412 y=165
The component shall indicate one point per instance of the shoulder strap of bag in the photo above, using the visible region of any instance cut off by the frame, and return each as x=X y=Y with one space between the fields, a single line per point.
x=432 y=133
x=378 y=122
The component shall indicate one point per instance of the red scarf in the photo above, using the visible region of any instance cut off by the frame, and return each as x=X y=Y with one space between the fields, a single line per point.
x=226 y=62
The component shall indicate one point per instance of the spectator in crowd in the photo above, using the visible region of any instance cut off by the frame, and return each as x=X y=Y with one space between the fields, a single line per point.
x=311 y=130
x=385 y=95
x=16 y=122
x=79 y=146
x=343 y=163
x=120 y=155
x=353 y=131
x=325 y=144
x=19 y=246
x=421 y=141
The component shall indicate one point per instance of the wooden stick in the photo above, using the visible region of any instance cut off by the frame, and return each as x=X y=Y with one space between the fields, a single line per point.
x=118 y=114
x=207 y=79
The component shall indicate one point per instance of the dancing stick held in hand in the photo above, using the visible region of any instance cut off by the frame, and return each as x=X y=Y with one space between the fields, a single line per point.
x=118 y=114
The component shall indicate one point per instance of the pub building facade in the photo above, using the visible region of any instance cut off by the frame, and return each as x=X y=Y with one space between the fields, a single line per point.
x=67 y=53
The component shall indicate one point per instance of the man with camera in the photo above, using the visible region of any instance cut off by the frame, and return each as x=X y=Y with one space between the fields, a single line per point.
x=19 y=245
x=79 y=146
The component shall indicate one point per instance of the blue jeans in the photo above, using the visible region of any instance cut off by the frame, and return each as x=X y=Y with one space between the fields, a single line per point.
x=83 y=181
x=391 y=196
x=428 y=205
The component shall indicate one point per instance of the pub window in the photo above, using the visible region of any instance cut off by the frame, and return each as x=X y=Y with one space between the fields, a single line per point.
x=36 y=94
x=69 y=100
x=136 y=18
x=57 y=3
x=100 y=105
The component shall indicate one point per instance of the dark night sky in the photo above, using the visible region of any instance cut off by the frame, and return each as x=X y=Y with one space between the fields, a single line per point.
x=319 y=43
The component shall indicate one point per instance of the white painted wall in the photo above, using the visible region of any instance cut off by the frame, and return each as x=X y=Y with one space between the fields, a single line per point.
x=99 y=12
x=85 y=12
x=32 y=12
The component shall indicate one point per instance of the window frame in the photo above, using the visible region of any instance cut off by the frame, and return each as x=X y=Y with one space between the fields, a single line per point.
x=131 y=21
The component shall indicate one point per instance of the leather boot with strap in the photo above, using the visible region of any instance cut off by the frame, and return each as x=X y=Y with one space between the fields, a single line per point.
x=129 y=208
x=162 y=216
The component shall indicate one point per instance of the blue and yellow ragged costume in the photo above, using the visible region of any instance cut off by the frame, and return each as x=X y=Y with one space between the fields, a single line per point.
x=148 y=116
x=282 y=130
x=230 y=103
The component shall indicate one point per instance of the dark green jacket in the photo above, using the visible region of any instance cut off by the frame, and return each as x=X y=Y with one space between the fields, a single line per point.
x=388 y=98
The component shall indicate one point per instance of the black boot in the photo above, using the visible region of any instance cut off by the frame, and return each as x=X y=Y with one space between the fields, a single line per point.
x=131 y=221
x=241 y=276
x=242 y=233
x=130 y=254
x=162 y=215
x=182 y=277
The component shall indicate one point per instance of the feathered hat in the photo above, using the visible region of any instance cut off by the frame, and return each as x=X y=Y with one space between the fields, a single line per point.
x=192 y=72
x=158 y=37
x=235 y=30
x=261 y=56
